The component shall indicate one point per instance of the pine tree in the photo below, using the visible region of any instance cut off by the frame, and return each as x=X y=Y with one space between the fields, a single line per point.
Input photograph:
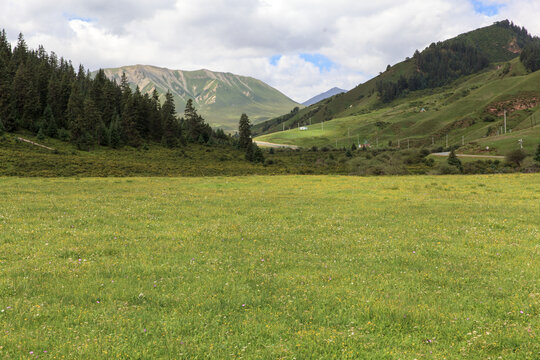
x=5 y=77
x=128 y=125
x=195 y=125
x=169 y=121
x=75 y=106
x=156 y=131
x=49 y=123
x=254 y=154
x=453 y=160
x=244 y=131
x=115 y=135
x=20 y=52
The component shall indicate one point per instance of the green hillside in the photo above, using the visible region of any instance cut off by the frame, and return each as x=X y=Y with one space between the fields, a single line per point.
x=220 y=97
x=469 y=110
x=466 y=111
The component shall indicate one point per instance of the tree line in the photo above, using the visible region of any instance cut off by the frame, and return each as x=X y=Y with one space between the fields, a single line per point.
x=42 y=93
x=438 y=65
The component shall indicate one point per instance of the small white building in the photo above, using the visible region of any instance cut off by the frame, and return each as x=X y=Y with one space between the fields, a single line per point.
x=303 y=128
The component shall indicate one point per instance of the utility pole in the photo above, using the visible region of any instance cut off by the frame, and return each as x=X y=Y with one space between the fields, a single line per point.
x=505 y=121
x=520 y=143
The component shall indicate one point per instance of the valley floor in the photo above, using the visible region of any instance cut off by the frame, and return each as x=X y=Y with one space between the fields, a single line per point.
x=270 y=267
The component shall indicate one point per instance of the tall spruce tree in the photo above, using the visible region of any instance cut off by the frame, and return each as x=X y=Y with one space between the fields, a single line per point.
x=49 y=123
x=196 y=129
x=170 y=123
x=244 y=132
x=453 y=160
x=115 y=133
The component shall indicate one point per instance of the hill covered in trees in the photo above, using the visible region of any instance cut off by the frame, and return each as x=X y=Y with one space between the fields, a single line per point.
x=43 y=94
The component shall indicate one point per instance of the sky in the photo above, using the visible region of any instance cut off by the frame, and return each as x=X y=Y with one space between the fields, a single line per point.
x=300 y=47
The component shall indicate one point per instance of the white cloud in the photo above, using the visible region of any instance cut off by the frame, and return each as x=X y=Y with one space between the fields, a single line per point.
x=240 y=36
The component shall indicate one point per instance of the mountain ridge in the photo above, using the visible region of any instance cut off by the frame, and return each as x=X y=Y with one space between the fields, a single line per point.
x=220 y=97
x=325 y=95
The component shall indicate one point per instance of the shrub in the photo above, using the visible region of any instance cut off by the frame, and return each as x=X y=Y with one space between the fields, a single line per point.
x=515 y=157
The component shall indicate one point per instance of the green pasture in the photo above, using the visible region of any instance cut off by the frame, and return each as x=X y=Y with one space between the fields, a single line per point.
x=325 y=267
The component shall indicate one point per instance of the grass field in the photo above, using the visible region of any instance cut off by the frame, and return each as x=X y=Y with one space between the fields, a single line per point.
x=270 y=267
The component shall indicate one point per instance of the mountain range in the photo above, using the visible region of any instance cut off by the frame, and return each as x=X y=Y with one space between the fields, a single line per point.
x=325 y=95
x=220 y=98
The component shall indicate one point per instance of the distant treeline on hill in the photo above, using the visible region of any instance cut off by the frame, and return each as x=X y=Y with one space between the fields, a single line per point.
x=444 y=62
x=44 y=94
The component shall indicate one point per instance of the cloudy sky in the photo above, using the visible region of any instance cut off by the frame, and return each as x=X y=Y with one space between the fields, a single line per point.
x=301 y=47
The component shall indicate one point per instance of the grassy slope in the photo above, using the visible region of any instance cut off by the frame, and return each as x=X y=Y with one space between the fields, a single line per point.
x=492 y=41
x=467 y=99
x=270 y=267
x=220 y=97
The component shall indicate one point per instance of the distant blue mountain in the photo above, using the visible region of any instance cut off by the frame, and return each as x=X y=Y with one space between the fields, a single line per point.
x=326 y=95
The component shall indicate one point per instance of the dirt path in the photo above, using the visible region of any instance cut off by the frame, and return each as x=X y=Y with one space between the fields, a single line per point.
x=33 y=143
x=272 y=145
x=469 y=156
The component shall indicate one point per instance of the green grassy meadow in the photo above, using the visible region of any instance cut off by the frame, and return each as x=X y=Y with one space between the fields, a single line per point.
x=325 y=267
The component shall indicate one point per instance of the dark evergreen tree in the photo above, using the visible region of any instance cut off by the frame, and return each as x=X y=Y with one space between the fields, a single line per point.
x=196 y=129
x=154 y=119
x=20 y=52
x=84 y=132
x=128 y=123
x=75 y=107
x=537 y=155
x=171 y=129
x=115 y=133
x=244 y=133
x=49 y=123
x=254 y=153
x=453 y=160
x=5 y=80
